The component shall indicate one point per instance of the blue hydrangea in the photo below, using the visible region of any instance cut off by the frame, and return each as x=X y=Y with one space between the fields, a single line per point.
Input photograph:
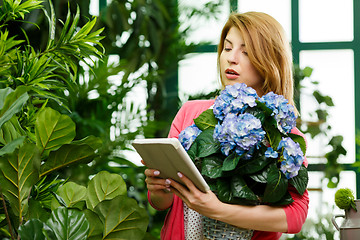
x=234 y=99
x=292 y=158
x=188 y=136
x=283 y=112
x=239 y=132
x=270 y=153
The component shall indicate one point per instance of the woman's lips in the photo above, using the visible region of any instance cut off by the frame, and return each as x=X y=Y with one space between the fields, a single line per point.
x=231 y=74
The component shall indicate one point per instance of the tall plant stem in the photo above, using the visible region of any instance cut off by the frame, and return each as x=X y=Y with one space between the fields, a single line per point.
x=7 y=217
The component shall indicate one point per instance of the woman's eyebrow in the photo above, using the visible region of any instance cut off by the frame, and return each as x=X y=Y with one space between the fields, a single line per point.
x=227 y=40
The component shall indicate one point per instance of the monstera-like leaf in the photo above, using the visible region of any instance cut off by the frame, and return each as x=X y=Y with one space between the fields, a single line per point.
x=19 y=171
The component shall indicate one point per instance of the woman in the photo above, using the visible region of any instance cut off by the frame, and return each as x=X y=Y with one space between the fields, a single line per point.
x=253 y=50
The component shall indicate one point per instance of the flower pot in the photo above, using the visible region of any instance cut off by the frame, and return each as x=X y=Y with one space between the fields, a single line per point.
x=350 y=227
x=214 y=229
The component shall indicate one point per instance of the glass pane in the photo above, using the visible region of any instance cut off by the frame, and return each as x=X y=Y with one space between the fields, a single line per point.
x=334 y=70
x=203 y=29
x=198 y=74
x=279 y=9
x=326 y=20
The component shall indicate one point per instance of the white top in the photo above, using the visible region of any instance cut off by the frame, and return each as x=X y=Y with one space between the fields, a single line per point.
x=192 y=224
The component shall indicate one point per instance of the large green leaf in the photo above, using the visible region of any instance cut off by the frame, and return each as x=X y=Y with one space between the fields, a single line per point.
x=257 y=163
x=69 y=224
x=231 y=162
x=73 y=194
x=223 y=190
x=104 y=186
x=67 y=155
x=53 y=129
x=204 y=145
x=301 y=180
x=96 y=226
x=19 y=171
x=12 y=104
x=276 y=186
x=212 y=166
x=241 y=190
x=206 y=120
x=34 y=229
x=10 y=131
x=122 y=218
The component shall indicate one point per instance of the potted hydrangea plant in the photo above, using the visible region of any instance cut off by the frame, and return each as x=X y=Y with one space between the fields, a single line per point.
x=245 y=150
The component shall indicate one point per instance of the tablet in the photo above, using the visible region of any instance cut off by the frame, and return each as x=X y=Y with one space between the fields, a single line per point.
x=169 y=157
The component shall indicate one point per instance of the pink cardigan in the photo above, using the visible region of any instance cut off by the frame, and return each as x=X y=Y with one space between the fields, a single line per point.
x=173 y=228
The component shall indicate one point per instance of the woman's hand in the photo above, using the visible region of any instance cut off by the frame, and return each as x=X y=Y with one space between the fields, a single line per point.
x=159 y=188
x=206 y=204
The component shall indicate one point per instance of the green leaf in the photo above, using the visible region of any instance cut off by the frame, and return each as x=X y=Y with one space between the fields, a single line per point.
x=10 y=131
x=256 y=164
x=276 y=185
x=104 y=186
x=13 y=104
x=69 y=224
x=34 y=229
x=53 y=129
x=212 y=166
x=301 y=180
x=67 y=155
x=204 y=145
x=224 y=192
x=285 y=200
x=206 y=120
x=240 y=189
x=19 y=171
x=231 y=162
x=37 y=210
x=96 y=226
x=10 y=147
x=73 y=194
x=122 y=218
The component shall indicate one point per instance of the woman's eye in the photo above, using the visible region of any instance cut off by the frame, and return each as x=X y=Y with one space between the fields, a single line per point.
x=227 y=49
x=244 y=52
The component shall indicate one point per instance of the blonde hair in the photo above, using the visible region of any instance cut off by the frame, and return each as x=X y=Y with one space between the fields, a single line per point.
x=268 y=50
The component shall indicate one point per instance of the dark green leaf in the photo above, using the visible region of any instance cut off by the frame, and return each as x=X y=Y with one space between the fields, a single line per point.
x=231 y=162
x=260 y=177
x=10 y=147
x=212 y=166
x=96 y=226
x=69 y=224
x=204 y=145
x=224 y=191
x=301 y=180
x=257 y=163
x=206 y=120
x=285 y=200
x=276 y=186
x=34 y=229
x=241 y=189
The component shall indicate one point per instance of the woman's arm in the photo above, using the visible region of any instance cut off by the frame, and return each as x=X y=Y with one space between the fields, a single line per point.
x=260 y=217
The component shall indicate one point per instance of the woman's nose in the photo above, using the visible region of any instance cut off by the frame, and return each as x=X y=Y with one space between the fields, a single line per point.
x=233 y=58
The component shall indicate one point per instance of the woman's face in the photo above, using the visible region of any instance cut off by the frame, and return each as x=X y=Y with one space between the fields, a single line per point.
x=235 y=65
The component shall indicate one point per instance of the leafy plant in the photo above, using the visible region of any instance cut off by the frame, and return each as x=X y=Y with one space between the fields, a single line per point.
x=38 y=141
x=344 y=199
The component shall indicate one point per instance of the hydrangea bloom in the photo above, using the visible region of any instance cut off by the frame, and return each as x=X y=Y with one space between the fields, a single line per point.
x=188 y=136
x=282 y=111
x=270 y=153
x=239 y=132
x=234 y=99
x=293 y=157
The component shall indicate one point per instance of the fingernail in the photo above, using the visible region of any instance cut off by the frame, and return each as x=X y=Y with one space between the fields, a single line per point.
x=180 y=174
x=156 y=173
x=167 y=182
x=168 y=189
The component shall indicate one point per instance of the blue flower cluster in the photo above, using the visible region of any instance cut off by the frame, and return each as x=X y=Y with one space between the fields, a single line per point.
x=292 y=158
x=239 y=132
x=282 y=111
x=188 y=136
x=234 y=99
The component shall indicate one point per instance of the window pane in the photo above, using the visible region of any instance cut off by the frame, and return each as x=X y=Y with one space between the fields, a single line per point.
x=203 y=29
x=334 y=70
x=279 y=9
x=326 y=20
x=198 y=74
